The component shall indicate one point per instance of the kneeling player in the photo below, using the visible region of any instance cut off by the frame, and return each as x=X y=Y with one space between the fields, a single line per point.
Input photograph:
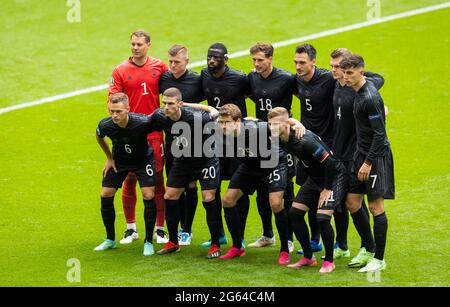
x=322 y=190
x=130 y=153
x=251 y=174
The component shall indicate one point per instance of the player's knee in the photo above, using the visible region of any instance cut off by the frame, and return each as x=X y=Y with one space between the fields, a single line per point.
x=208 y=196
x=276 y=205
x=148 y=194
x=352 y=205
x=169 y=196
x=227 y=202
x=108 y=192
x=172 y=193
x=376 y=207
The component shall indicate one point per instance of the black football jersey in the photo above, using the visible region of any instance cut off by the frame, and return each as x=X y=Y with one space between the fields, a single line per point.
x=274 y=91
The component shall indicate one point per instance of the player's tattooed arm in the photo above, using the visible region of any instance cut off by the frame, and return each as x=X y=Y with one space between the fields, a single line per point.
x=109 y=160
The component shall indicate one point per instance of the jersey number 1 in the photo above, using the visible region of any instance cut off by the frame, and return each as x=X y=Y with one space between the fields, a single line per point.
x=145 y=89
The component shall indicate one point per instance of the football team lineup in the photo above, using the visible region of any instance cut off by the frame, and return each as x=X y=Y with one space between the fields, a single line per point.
x=341 y=146
x=286 y=144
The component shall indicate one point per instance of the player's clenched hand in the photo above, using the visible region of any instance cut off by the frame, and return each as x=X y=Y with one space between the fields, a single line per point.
x=364 y=171
x=108 y=165
x=324 y=197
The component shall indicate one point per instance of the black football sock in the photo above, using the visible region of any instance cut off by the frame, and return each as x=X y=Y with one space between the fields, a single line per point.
x=314 y=225
x=172 y=219
x=243 y=205
x=288 y=199
x=191 y=200
x=149 y=218
x=362 y=225
x=301 y=231
x=182 y=208
x=232 y=219
x=212 y=219
x=327 y=235
x=108 y=216
x=380 y=226
x=366 y=211
x=262 y=202
x=281 y=221
x=341 y=222
x=219 y=209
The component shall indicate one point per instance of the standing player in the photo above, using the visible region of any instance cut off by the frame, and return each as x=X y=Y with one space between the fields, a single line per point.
x=188 y=165
x=223 y=84
x=190 y=85
x=130 y=153
x=344 y=147
x=251 y=173
x=271 y=87
x=373 y=169
x=321 y=192
x=315 y=89
x=138 y=78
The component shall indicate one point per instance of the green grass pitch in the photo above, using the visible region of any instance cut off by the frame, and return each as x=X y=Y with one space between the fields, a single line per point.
x=50 y=164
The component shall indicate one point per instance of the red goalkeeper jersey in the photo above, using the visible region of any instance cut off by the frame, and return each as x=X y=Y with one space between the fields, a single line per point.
x=140 y=83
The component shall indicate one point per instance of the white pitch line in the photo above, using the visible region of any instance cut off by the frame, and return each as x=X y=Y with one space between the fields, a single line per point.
x=245 y=52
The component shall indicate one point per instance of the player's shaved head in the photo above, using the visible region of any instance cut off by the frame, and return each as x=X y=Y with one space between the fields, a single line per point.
x=141 y=33
x=308 y=49
x=178 y=50
x=173 y=92
x=219 y=46
x=119 y=98
x=217 y=59
x=352 y=61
